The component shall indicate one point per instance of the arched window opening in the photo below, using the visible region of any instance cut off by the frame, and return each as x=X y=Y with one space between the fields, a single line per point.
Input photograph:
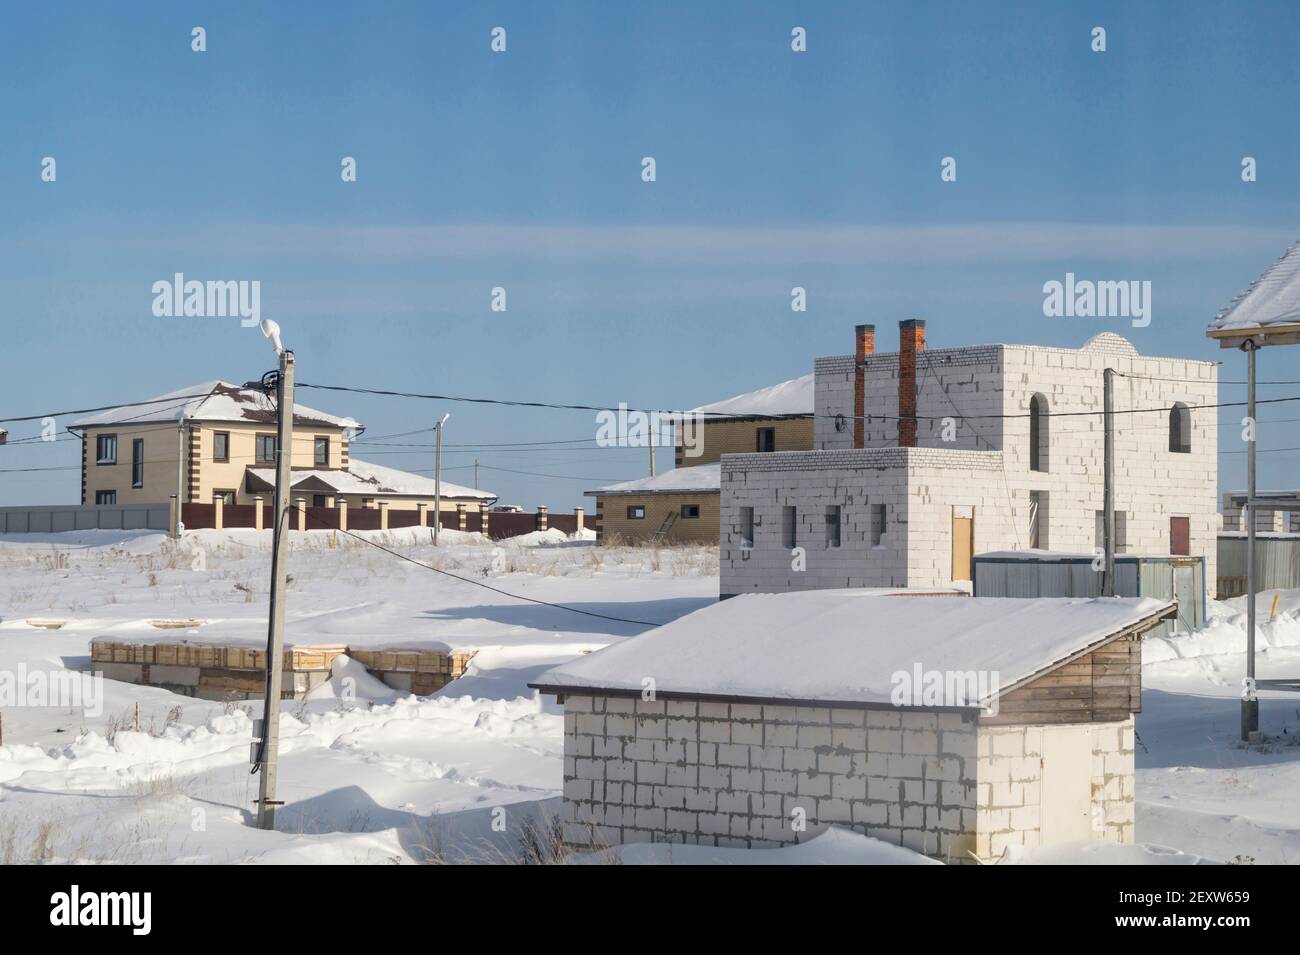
x=1038 y=433
x=1180 y=429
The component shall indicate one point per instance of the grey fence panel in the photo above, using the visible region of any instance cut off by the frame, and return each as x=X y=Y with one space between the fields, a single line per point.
x=58 y=519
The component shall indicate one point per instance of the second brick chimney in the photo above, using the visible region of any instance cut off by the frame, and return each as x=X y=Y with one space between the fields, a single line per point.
x=864 y=345
x=911 y=339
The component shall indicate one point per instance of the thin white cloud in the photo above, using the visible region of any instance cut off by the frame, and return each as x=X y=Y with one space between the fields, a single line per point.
x=702 y=245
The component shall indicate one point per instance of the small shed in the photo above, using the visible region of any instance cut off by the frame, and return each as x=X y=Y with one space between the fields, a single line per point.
x=1042 y=573
x=954 y=727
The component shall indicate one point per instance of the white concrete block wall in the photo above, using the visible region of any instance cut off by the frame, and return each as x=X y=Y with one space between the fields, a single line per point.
x=1009 y=785
x=1153 y=484
x=733 y=774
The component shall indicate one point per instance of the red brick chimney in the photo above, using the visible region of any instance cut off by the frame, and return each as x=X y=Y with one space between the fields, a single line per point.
x=911 y=339
x=864 y=345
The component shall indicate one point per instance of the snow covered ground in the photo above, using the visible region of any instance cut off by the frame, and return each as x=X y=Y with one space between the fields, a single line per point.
x=473 y=773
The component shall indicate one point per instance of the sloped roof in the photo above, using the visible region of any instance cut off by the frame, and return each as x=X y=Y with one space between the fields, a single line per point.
x=211 y=401
x=701 y=478
x=1272 y=299
x=846 y=646
x=793 y=397
x=364 y=478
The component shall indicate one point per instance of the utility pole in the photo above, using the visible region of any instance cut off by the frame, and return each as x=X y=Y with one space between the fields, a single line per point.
x=180 y=475
x=652 y=455
x=270 y=746
x=437 y=476
x=1108 y=519
x=1249 y=700
x=476 y=474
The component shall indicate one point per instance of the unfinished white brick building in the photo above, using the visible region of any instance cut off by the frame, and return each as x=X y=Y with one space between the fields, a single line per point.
x=772 y=717
x=925 y=457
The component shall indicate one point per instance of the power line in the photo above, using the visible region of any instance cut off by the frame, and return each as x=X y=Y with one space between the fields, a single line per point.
x=721 y=416
x=479 y=583
x=127 y=404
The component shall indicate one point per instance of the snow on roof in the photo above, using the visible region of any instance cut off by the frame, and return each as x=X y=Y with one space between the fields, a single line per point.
x=844 y=646
x=1272 y=299
x=793 y=397
x=212 y=401
x=362 y=477
x=702 y=479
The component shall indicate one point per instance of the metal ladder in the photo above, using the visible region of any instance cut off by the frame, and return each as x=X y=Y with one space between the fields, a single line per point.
x=664 y=528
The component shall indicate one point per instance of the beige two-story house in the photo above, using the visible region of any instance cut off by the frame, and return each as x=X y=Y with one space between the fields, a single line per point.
x=682 y=505
x=216 y=439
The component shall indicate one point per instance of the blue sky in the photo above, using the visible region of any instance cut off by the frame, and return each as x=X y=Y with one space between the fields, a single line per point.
x=522 y=170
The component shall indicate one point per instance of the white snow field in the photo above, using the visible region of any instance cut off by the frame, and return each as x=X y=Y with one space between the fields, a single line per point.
x=473 y=773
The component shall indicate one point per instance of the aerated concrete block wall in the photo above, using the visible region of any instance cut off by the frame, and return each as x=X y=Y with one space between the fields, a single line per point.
x=750 y=775
x=1009 y=778
x=987 y=391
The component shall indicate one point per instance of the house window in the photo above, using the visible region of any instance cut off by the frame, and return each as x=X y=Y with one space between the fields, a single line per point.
x=833 y=525
x=746 y=527
x=221 y=446
x=321 y=457
x=227 y=497
x=320 y=500
x=137 y=462
x=765 y=439
x=367 y=503
x=1121 y=531
x=690 y=511
x=266 y=449
x=105 y=497
x=106 y=449
x=1180 y=429
x=1038 y=431
x=789 y=524
x=636 y=512
x=878 y=517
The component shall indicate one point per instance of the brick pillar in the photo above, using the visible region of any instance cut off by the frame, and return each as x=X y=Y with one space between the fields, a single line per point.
x=218 y=511
x=422 y=509
x=864 y=344
x=301 y=505
x=258 y=516
x=343 y=513
x=911 y=334
x=483 y=514
x=541 y=517
x=383 y=515
x=579 y=518
x=461 y=517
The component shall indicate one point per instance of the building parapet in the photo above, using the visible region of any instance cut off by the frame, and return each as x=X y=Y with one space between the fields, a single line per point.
x=863 y=458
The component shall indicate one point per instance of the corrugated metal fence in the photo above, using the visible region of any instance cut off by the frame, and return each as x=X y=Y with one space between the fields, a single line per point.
x=52 y=519
x=1277 y=563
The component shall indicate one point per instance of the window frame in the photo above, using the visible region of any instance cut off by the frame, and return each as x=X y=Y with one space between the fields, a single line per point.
x=217 y=436
x=1039 y=434
x=100 y=441
x=746 y=528
x=759 y=433
x=102 y=503
x=635 y=507
x=689 y=517
x=137 y=462
x=258 y=440
x=315 y=451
